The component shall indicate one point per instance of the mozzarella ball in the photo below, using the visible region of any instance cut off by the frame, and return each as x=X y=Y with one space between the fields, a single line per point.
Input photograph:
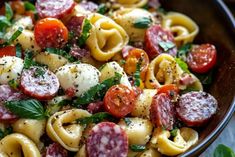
x=80 y=77
x=10 y=69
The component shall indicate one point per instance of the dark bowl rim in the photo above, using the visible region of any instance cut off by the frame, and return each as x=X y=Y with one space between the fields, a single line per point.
x=216 y=132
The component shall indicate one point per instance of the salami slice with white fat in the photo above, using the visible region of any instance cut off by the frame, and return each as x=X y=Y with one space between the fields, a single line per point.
x=54 y=8
x=196 y=108
x=55 y=150
x=40 y=84
x=107 y=139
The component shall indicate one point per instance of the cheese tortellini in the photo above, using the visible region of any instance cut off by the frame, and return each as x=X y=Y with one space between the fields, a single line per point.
x=184 y=139
x=126 y=17
x=184 y=28
x=15 y=144
x=130 y=3
x=164 y=70
x=150 y=152
x=68 y=135
x=34 y=129
x=79 y=77
x=138 y=130
x=108 y=70
x=10 y=69
x=143 y=103
x=106 y=37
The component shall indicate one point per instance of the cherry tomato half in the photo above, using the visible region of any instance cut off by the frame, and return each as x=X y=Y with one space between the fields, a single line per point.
x=8 y=51
x=170 y=89
x=137 y=56
x=119 y=100
x=50 y=32
x=202 y=58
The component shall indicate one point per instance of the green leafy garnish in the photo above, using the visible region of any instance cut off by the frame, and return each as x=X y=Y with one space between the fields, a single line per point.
x=122 y=62
x=183 y=51
x=166 y=46
x=182 y=65
x=189 y=89
x=39 y=71
x=61 y=53
x=174 y=132
x=18 y=50
x=16 y=34
x=28 y=60
x=143 y=22
x=223 y=151
x=85 y=33
x=8 y=12
x=31 y=108
x=127 y=121
x=137 y=75
x=97 y=92
x=6 y=132
x=102 y=9
x=4 y=23
x=13 y=84
x=137 y=148
x=95 y=118
x=29 y=6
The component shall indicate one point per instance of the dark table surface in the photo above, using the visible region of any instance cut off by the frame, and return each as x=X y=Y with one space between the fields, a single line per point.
x=227 y=137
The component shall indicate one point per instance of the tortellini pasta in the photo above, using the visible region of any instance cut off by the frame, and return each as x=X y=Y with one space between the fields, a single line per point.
x=164 y=70
x=183 y=27
x=126 y=17
x=108 y=70
x=143 y=103
x=138 y=130
x=79 y=77
x=10 y=69
x=33 y=129
x=106 y=37
x=185 y=138
x=150 y=152
x=53 y=61
x=68 y=135
x=15 y=144
x=130 y=3
x=81 y=152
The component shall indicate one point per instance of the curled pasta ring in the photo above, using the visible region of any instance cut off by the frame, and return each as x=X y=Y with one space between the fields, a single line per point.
x=15 y=144
x=130 y=3
x=185 y=138
x=106 y=37
x=183 y=27
x=68 y=136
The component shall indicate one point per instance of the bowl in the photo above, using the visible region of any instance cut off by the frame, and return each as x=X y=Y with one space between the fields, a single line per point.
x=217 y=26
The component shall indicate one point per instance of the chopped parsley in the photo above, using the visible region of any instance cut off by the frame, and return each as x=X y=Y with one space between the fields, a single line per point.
x=143 y=22
x=137 y=148
x=85 y=33
x=166 y=46
x=137 y=75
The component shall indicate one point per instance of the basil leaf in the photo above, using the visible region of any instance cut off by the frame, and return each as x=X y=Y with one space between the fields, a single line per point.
x=95 y=118
x=8 y=12
x=137 y=148
x=13 y=84
x=143 y=23
x=137 y=75
x=182 y=65
x=102 y=9
x=206 y=79
x=127 y=121
x=4 y=22
x=15 y=35
x=29 y=6
x=85 y=32
x=39 y=72
x=31 y=109
x=166 y=45
x=97 y=92
x=61 y=53
x=174 y=132
x=183 y=51
x=223 y=151
x=18 y=50
x=28 y=60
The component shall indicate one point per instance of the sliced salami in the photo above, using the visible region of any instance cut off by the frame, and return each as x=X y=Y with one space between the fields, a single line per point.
x=8 y=94
x=39 y=83
x=196 y=108
x=95 y=107
x=90 y=6
x=156 y=38
x=74 y=25
x=107 y=139
x=162 y=111
x=54 y=8
x=56 y=150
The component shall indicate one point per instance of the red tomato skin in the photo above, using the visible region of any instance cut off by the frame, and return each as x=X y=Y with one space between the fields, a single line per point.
x=202 y=58
x=50 y=32
x=170 y=89
x=119 y=100
x=8 y=51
